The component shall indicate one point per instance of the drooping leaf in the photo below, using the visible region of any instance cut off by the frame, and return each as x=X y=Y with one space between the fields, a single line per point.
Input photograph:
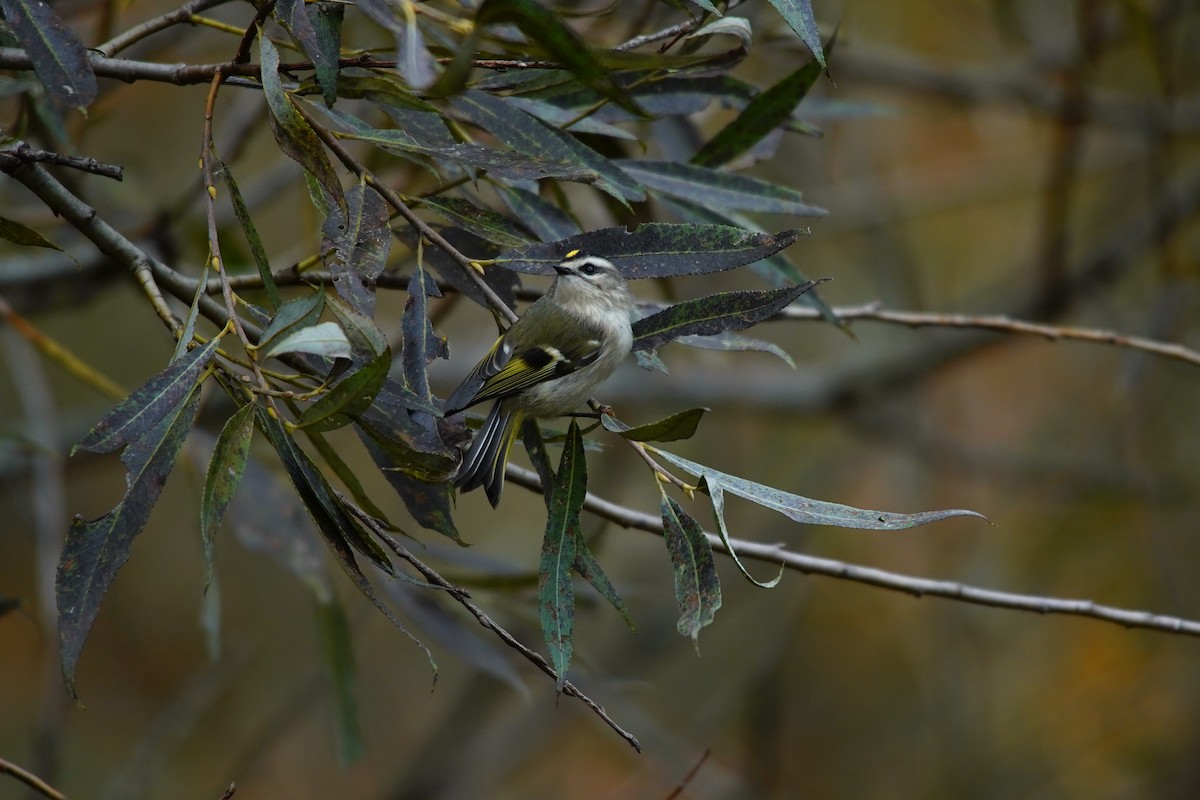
x=482 y=222
x=799 y=15
x=808 y=511
x=717 y=496
x=292 y=316
x=535 y=448
x=421 y=343
x=261 y=260
x=144 y=410
x=590 y=570
x=681 y=425
x=716 y=313
x=338 y=651
x=719 y=190
x=59 y=58
x=547 y=221
x=349 y=397
x=530 y=136
x=224 y=475
x=697 y=587
x=727 y=340
x=317 y=28
x=428 y=502
x=95 y=550
x=355 y=247
x=548 y=31
x=413 y=59
x=556 y=594
x=655 y=249
x=21 y=234
x=292 y=132
x=763 y=114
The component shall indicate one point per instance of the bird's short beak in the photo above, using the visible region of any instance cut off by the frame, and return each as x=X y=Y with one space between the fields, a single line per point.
x=561 y=270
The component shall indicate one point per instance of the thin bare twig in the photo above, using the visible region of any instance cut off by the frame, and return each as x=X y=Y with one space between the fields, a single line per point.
x=29 y=779
x=152 y=26
x=23 y=152
x=882 y=579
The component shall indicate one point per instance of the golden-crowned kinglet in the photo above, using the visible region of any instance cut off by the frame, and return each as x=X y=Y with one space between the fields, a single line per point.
x=547 y=364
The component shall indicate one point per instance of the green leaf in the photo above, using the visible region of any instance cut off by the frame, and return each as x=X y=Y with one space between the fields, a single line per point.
x=59 y=58
x=355 y=246
x=548 y=31
x=535 y=448
x=482 y=222
x=808 y=511
x=718 y=190
x=589 y=569
x=697 y=588
x=261 y=260
x=799 y=15
x=323 y=339
x=681 y=425
x=224 y=475
x=143 y=411
x=338 y=650
x=556 y=594
x=20 y=234
x=762 y=115
x=717 y=495
x=655 y=249
x=559 y=117
x=317 y=28
x=546 y=220
x=530 y=136
x=351 y=396
x=95 y=550
x=293 y=134
x=727 y=340
x=292 y=316
x=367 y=341
x=715 y=313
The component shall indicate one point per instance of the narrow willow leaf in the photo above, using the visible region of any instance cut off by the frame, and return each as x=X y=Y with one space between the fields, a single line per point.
x=338 y=650
x=414 y=446
x=808 y=511
x=290 y=317
x=717 y=496
x=655 y=249
x=427 y=502
x=729 y=26
x=535 y=448
x=59 y=58
x=187 y=333
x=293 y=134
x=735 y=341
x=346 y=475
x=144 y=410
x=421 y=343
x=590 y=570
x=697 y=588
x=20 y=234
x=762 y=115
x=704 y=316
x=224 y=475
x=681 y=425
x=799 y=15
x=355 y=247
x=546 y=220
x=482 y=222
x=317 y=28
x=559 y=117
x=95 y=550
x=367 y=341
x=530 y=136
x=556 y=594
x=351 y=396
x=718 y=190
x=413 y=59
x=545 y=28
x=323 y=339
x=261 y=260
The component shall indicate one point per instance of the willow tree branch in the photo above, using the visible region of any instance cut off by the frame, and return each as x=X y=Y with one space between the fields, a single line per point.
x=29 y=779
x=152 y=26
x=21 y=151
x=882 y=579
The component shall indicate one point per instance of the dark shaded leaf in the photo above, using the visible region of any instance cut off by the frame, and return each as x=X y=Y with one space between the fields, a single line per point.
x=95 y=550
x=530 y=136
x=428 y=502
x=502 y=281
x=482 y=222
x=763 y=114
x=812 y=512
x=349 y=397
x=718 y=190
x=355 y=247
x=556 y=594
x=292 y=316
x=144 y=410
x=419 y=119
x=548 y=31
x=559 y=117
x=697 y=588
x=21 y=234
x=261 y=260
x=338 y=650
x=546 y=220
x=655 y=249
x=317 y=28
x=421 y=343
x=59 y=58
x=346 y=475
x=535 y=448
x=799 y=15
x=717 y=495
x=704 y=316
x=366 y=339
x=224 y=475
x=681 y=425
x=293 y=134
x=590 y=570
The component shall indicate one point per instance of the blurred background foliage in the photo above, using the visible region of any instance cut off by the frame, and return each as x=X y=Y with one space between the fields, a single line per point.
x=1002 y=157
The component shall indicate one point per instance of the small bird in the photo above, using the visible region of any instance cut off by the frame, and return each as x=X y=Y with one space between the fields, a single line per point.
x=547 y=364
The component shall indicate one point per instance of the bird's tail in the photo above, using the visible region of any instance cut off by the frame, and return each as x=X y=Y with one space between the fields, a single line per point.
x=485 y=461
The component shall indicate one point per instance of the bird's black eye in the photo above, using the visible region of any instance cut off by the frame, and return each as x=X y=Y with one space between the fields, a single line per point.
x=588 y=269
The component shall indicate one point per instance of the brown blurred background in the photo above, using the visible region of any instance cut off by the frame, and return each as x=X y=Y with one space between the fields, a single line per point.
x=978 y=157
